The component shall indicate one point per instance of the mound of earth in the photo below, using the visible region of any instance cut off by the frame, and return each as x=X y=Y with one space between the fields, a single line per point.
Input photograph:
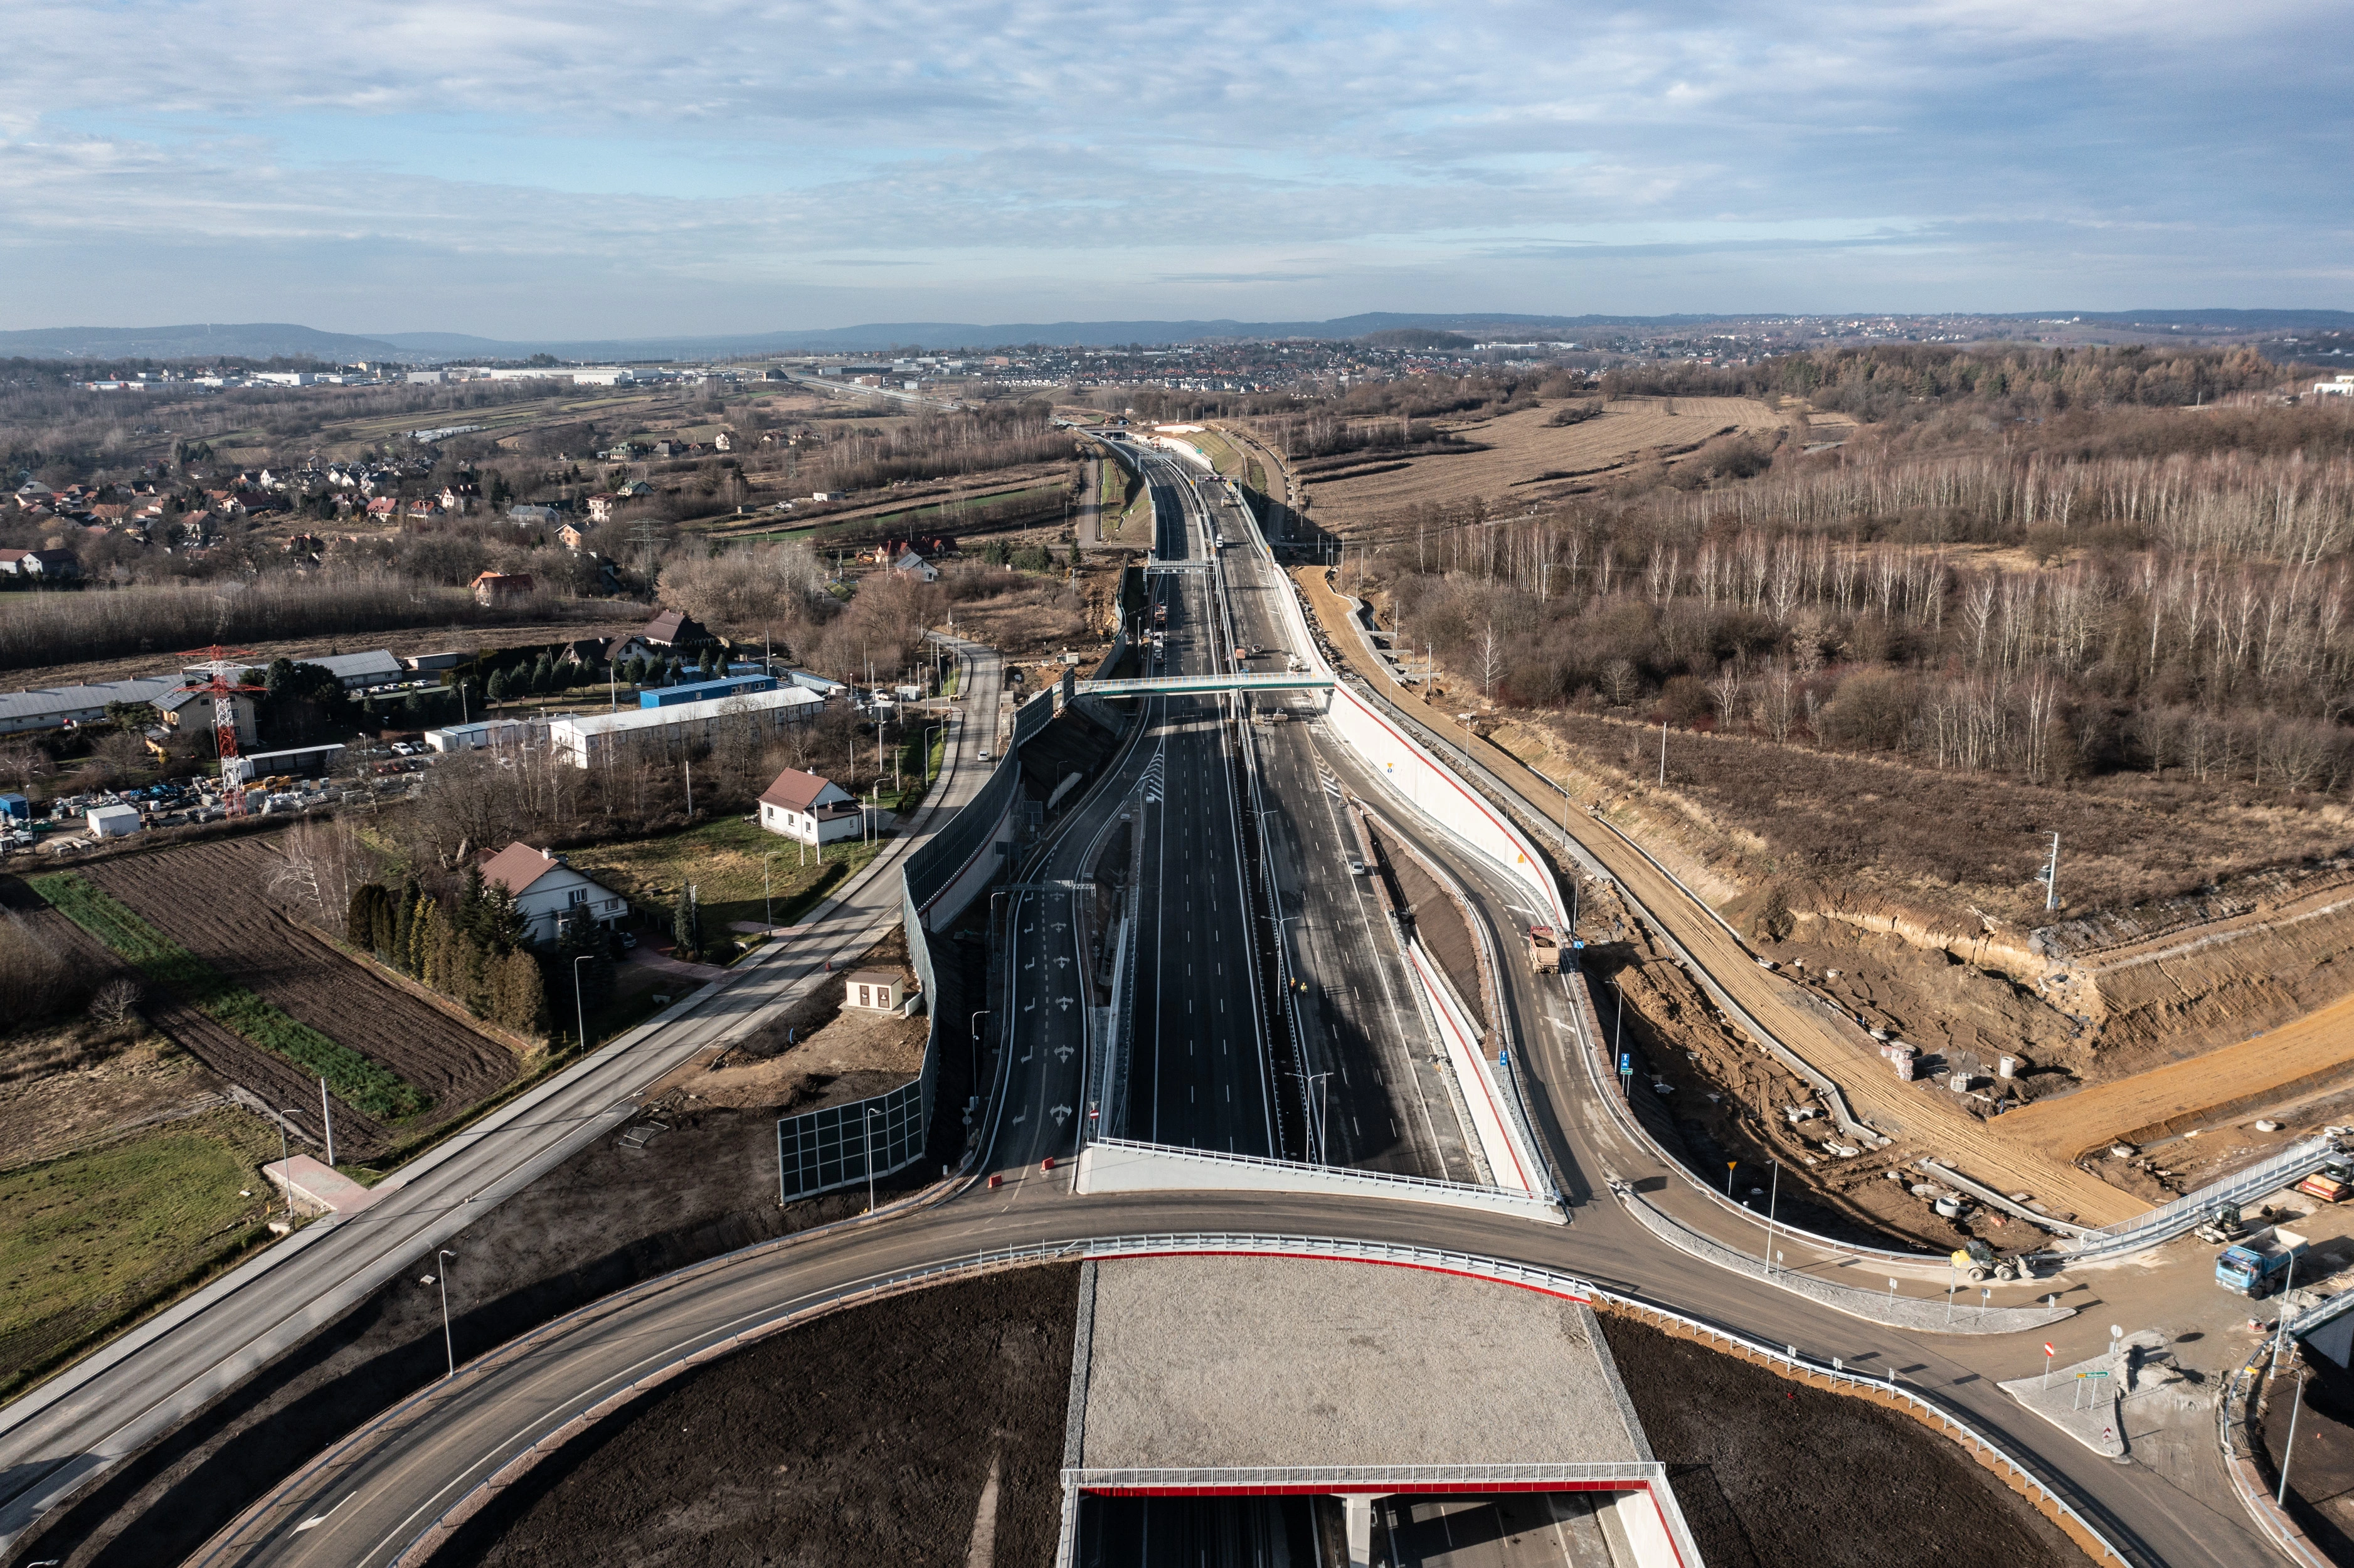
x=905 y=1432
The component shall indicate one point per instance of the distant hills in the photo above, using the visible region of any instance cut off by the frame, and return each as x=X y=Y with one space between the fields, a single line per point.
x=265 y=339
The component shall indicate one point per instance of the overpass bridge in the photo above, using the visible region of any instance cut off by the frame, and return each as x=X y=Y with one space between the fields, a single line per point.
x=1202 y=685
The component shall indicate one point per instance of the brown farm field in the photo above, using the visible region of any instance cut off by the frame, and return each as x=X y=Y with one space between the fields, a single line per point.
x=1528 y=459
x=214 y=899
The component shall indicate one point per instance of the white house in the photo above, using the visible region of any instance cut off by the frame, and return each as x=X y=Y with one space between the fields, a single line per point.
x=911 y=564
x=547 y=891
x=2343 y=387
x=812 y=810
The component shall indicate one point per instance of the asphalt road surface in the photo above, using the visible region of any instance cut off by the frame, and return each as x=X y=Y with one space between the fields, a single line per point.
x=1200 y=1073
x=79 y=1422
x=359 y=1505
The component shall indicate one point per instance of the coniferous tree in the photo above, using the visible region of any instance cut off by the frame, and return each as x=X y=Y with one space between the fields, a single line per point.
x=686 y=925
x=360 y=916
x=521 y=994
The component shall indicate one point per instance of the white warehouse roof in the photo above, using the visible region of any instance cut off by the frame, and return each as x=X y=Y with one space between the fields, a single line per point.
x=51 y=706
x=577 y=733
x=372 y=668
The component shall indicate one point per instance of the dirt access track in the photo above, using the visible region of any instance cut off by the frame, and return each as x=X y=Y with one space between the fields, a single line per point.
x=214 y=899
x=1983 y=1150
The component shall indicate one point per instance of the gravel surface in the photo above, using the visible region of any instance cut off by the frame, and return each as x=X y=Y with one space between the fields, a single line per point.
x=864 y=1437
x=1231 y=1360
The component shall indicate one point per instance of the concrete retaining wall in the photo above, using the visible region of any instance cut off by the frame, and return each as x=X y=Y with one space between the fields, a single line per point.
x=1418 y=778
x=1118 y=1166
x=1513 y=1167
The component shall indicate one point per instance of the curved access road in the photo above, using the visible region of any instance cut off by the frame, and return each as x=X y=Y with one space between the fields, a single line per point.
x=64 y=1433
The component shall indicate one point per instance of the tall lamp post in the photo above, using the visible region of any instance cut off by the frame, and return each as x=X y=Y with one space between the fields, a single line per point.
x=581 y=1002
x=973 y=1024
x=871 y=1114
x=440 y=1276
x=768 y=895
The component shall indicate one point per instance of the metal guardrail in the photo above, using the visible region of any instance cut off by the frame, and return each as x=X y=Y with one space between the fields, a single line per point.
x=2194 y=1208
x=1650 y=1478
x=1273 y=1479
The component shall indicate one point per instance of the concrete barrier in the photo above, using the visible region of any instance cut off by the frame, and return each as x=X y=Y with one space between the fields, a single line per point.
x=1515 y=1167
x=1118 y=1165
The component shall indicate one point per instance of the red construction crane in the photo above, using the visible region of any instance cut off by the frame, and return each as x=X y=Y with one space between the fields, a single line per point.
x=216 y=676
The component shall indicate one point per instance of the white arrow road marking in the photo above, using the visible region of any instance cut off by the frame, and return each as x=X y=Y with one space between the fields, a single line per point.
x=1063 y=1052
x=1064 y=1002
x=1061 y=1114
x=1020 y=1116
x=316 y=1519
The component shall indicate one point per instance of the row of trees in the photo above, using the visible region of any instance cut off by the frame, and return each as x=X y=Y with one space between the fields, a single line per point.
x=469 y=949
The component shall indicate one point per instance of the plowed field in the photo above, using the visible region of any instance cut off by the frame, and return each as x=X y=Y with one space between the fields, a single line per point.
x=1525 y=455
x=212 y=899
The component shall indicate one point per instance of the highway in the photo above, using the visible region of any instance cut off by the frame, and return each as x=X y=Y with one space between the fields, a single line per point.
x=1200 y=1072
x=363 y=1502
x=69 y=1428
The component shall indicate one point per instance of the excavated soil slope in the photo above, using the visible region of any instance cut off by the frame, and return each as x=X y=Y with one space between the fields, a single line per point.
x=873 y=1436
x=1804 y=1023
x=1769 y=1472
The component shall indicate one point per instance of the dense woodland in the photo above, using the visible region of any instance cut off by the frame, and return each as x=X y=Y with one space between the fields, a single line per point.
x=2110 y=589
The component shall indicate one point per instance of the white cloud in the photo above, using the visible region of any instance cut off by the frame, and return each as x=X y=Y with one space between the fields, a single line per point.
x=746 y=140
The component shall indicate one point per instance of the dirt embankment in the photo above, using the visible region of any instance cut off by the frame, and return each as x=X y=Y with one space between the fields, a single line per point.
x=898 y=1432
x=1768 y=1471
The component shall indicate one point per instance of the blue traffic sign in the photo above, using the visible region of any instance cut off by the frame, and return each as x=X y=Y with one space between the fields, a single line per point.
x=1625 y=1062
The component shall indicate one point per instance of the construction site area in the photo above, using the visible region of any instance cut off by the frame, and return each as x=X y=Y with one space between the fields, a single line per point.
x=1978 y=1053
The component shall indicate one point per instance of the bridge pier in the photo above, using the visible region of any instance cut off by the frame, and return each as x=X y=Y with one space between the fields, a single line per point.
x=1357 y=1516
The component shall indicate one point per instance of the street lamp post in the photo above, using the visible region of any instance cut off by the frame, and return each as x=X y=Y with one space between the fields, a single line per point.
x=2281 y=1498
x=768 y=896
x=869 y=1128
x=1773 y=1198
x=285 y=1166
x=973 y=1026
x=580 y=1002
x=441 y=1277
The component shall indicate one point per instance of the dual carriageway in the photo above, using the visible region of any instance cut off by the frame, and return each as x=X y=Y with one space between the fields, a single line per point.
x=1258 y=1007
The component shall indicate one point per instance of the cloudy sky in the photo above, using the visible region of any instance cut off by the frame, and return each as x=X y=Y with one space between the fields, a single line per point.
x=596 y=167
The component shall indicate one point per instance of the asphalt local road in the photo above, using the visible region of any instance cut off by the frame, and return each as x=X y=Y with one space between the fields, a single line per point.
x=360 y=1504
x=142 y=1385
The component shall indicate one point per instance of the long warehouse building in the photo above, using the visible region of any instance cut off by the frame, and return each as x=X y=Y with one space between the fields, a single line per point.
x=585 y=739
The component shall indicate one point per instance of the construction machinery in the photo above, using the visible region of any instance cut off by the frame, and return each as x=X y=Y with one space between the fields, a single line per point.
x=1544 y=950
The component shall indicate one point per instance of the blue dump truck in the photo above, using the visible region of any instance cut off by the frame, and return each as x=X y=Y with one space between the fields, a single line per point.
x=2258 y=1264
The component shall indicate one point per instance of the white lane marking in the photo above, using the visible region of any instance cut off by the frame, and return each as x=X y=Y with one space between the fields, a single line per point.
x=316 y=1519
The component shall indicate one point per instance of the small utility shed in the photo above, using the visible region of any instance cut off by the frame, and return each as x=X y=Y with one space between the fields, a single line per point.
x=874 y=989
x=112 y=821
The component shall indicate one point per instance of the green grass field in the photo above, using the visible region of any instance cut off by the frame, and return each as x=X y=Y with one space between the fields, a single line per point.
x=91 y=1239
x=360 y=1082
x=724 y=860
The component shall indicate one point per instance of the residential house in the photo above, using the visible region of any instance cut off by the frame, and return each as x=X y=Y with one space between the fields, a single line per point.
x=723 y=442
x=47 y=565
x=530 y=515
x=198 y=713
x=809 y=809
x=911 y=564
x=459 y=499
x=601 y=507
x=496 y=588
x=548 y=892
x=383 y=508
x=572 y=535
x=675 y=630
